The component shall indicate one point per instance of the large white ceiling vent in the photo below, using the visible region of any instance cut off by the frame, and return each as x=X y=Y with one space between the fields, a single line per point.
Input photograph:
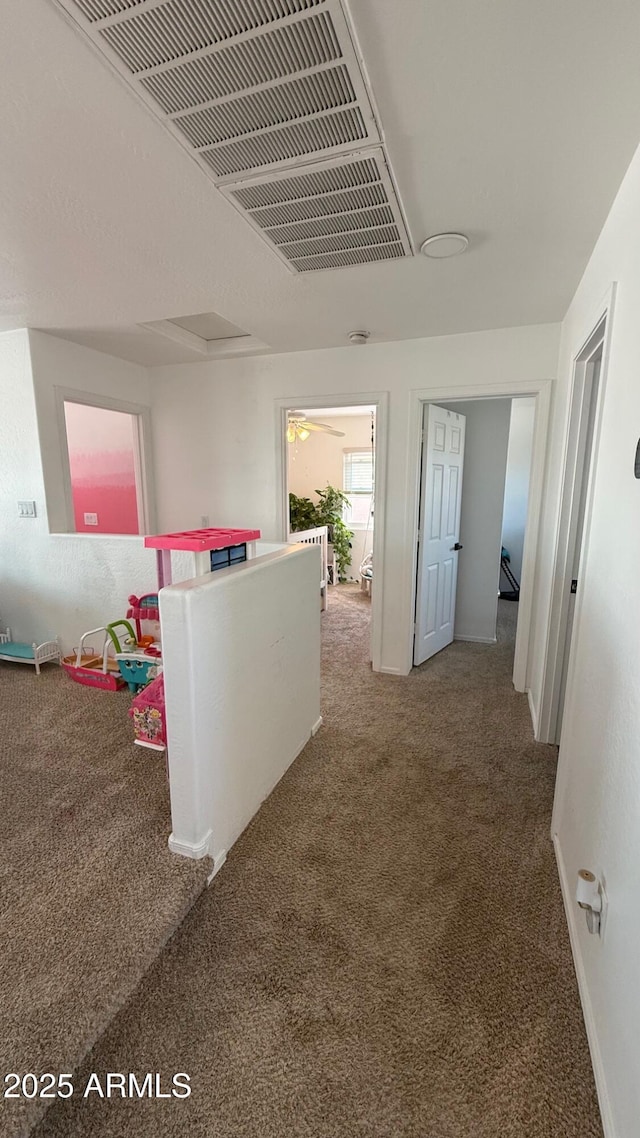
x=256 y=90
x=329 y=215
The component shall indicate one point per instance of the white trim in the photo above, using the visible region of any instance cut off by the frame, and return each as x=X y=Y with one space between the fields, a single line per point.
x=604 y=1100
x=537 y=473
x=555 y=645
x=145 y=490
x=509 y=389
x=223 y=347
x=99 y=536
x=477 y=639
x=533 y=712
x=218 y=862
x=195 y=850
x=316 y=727
x=379 y=400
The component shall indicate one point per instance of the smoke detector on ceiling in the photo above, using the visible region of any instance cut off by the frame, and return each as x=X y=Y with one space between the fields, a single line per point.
x=443 y=245
x=359 y=337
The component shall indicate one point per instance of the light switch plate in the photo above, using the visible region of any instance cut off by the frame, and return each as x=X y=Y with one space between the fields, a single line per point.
x=91 y=519
x=26 y=509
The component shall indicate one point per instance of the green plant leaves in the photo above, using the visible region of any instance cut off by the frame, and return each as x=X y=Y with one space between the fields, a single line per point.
x=305 y=514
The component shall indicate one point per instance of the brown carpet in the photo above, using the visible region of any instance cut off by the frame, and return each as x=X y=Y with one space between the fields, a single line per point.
x=384 y=952
x=89 y=892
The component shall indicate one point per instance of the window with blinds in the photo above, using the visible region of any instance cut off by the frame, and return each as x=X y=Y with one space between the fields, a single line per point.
x=357 y=483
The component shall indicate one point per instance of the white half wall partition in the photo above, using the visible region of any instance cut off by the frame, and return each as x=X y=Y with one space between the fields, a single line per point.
x=241 y=654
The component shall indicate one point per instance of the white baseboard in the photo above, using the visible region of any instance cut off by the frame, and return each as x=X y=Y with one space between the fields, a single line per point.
x=478 y=639
x=533 y=712
x=218 y=862
x=571 y=913
x=392 y=672
x=316 y=727
x=195 y=850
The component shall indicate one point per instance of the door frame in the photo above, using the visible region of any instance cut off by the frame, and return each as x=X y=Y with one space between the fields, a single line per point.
x=379 y=400
x=600 y=332
x=541 y=391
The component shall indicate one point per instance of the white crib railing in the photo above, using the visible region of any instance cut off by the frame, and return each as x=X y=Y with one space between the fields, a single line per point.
x=318 y=536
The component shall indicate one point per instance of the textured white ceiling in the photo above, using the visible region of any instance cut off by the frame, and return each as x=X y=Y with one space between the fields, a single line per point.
x=511 y=121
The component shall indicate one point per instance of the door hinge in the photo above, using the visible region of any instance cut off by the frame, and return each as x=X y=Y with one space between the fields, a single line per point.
x=574 y=586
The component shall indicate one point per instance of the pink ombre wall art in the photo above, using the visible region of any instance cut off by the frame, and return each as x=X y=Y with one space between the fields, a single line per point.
x=103 y=469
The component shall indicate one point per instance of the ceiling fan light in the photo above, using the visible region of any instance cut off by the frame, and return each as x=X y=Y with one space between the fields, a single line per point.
x=291 y=433
x=303 y=433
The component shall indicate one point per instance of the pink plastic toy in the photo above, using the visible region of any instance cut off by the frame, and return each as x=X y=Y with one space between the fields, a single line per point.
x=199 y=540
x=143 y=608
x=214 y=548
x=147 y=712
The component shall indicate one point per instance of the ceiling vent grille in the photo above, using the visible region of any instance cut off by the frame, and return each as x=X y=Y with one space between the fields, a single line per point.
x=310 y=184
x=329 y=217
x=270 y=147
x=350 y=257
x=100 y=9
x=264 y=94
x=322 y=91
x=166 y=32
x=274 y=55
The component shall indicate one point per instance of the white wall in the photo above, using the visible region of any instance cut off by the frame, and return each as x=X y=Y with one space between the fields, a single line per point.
x=217 y=445
x=597 y=808
x=319 y=460
x=516 y=490
x=54 y=585
x=485 y=464
x=242 y=687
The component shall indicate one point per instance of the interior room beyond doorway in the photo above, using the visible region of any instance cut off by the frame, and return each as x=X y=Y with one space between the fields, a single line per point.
x=476 y=464
x=331 y=484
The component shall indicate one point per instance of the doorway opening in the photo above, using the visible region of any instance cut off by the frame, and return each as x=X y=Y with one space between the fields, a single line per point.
x=333 y=484
x=475 y=469
x=584 y=413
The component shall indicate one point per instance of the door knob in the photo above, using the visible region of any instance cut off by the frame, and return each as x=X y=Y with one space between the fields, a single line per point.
x=457 y=547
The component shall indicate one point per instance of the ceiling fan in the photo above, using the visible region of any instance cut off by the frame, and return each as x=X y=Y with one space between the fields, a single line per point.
x=300 y=428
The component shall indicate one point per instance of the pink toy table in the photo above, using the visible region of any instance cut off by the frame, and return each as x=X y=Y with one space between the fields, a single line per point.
x=200 y=542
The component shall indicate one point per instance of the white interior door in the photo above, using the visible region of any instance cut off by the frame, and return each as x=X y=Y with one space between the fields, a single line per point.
x=579 y=507
x=439 y=535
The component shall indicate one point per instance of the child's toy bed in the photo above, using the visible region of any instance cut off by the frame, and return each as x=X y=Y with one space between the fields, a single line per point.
x=35 y=654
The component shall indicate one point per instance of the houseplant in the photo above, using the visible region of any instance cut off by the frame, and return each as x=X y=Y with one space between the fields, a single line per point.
x=327 y=511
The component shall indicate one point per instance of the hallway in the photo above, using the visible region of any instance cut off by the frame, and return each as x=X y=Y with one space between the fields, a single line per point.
x=384 y=952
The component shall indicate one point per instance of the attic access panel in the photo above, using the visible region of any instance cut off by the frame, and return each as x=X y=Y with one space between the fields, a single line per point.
x=254 y=87
x=327 y=215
